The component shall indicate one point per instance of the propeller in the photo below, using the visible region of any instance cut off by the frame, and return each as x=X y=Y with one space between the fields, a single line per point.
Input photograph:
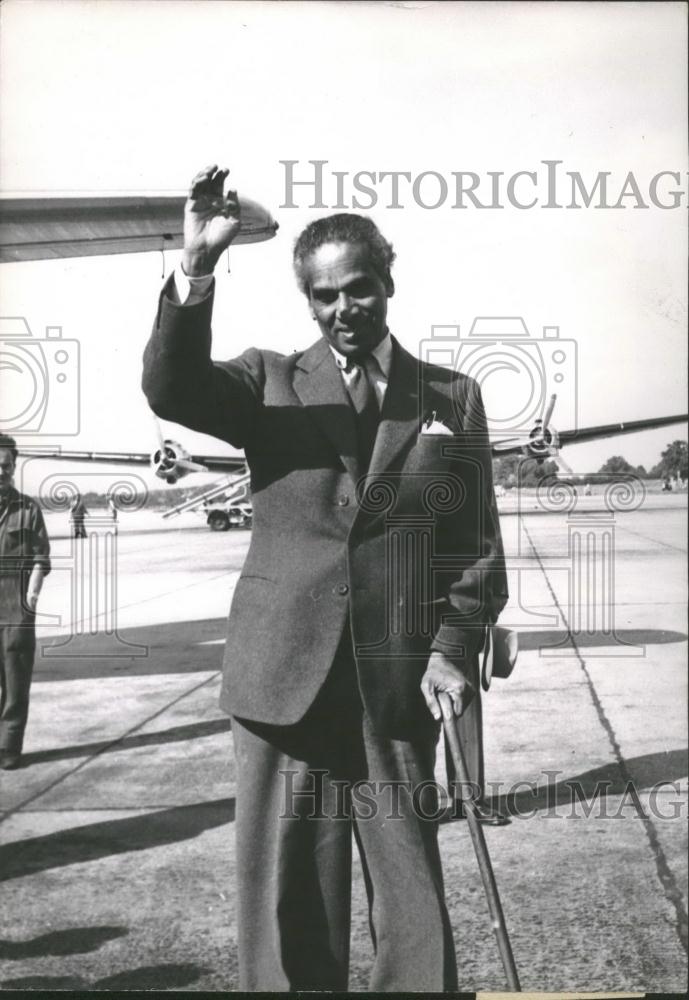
x=543 y=440
x=170 y=461
x=561 y=464
x=549 y=411
x=551 y=440
x=159 y=432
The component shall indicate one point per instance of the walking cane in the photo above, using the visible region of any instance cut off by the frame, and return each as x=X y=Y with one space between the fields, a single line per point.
x=480 y=846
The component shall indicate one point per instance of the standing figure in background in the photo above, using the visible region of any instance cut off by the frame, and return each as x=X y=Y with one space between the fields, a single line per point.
x=24 y=561
x=78 y=512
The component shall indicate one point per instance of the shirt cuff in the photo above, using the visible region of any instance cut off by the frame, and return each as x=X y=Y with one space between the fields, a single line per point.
x=191 y=290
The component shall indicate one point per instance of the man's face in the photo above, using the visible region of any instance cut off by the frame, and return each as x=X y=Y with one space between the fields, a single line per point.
x=6 y=469
x=347 y=297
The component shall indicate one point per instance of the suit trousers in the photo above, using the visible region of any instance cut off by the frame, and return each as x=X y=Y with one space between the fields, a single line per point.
x=16 y=668
x=302 y=791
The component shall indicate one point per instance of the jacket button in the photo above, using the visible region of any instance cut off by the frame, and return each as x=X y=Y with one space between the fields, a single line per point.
x=343 y=500
x=343 y=589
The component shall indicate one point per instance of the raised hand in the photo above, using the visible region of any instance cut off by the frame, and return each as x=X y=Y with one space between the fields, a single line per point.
x=211 y=221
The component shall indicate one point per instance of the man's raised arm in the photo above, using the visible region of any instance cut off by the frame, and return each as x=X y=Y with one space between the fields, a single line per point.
x=180 y=381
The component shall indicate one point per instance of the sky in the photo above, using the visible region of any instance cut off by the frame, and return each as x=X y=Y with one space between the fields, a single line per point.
x=103 y=97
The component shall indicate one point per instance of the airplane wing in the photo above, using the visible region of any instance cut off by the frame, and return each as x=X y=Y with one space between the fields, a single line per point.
x=612 y=430
x=170 y=453
x=513 y=446
x=44 y=228
x=213 y=463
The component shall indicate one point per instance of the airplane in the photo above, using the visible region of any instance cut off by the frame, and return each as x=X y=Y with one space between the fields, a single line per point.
x=51 y=228
x=544 y=441
x=170 y=461
x=39 y=228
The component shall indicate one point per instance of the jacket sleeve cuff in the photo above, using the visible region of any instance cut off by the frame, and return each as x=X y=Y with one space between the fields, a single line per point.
x=460 y=643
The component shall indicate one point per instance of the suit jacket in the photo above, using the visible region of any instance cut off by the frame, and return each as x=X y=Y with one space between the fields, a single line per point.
x=410 y=555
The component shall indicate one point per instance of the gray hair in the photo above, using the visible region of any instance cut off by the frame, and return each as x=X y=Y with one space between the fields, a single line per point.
x=343 y=228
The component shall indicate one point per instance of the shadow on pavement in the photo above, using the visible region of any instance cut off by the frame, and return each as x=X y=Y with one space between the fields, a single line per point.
x=148 y=977
x=173 y=648
x=646 y=771
x=176 y=734
x=545 y=638
x=71 y=941
x=94 y=841
x=180 y=648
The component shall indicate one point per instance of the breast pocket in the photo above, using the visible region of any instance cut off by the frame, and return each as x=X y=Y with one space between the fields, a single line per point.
x=434 y=448
x=17 y=541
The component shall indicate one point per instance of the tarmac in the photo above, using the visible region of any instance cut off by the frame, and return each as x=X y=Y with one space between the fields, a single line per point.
x=116 y=834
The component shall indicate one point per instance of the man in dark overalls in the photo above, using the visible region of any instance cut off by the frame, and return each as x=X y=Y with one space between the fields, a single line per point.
x=24 y=562
x=78 y=512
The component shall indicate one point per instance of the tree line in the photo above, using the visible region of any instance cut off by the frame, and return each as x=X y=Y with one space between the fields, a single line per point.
x=513 y=470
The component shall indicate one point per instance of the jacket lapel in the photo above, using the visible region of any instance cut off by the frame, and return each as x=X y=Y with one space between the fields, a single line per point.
x=400 y=417
x=319 y=386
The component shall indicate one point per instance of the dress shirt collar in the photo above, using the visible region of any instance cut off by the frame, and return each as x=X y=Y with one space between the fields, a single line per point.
x=382 y=353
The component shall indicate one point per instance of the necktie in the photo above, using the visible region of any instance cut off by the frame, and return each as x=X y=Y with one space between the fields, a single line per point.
x=363 y=395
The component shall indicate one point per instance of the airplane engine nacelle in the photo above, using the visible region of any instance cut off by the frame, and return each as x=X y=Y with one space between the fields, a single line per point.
x=542 y=443
x=171 y=462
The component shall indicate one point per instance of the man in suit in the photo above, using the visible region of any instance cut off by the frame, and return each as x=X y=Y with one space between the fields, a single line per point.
x=375 y=564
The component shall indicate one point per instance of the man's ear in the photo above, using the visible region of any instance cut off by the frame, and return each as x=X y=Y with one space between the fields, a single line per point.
x=389 y=285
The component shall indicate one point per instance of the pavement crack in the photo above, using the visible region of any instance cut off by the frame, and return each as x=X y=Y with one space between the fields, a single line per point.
x=666 y=877
x=656 y=541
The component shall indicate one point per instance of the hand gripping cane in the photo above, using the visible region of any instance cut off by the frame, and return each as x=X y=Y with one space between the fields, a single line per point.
x=480 y=846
